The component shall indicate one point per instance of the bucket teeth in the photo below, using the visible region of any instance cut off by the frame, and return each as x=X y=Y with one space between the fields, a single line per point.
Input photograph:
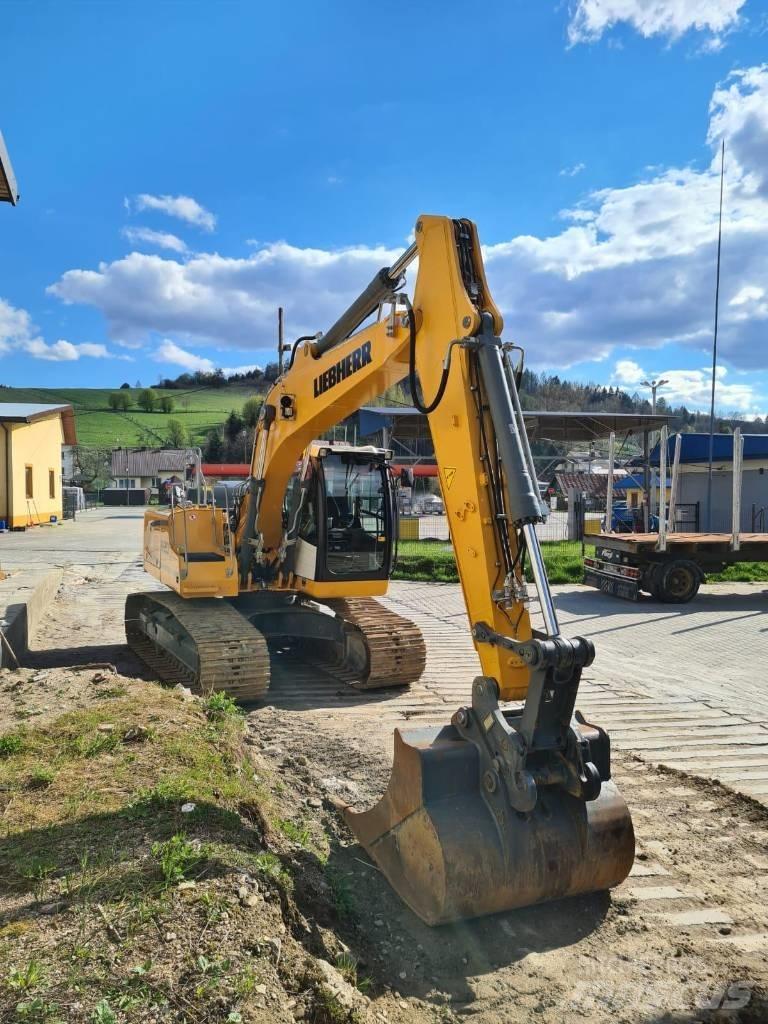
x=449 y=857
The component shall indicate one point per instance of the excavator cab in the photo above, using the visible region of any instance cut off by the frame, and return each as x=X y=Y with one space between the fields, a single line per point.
x=340 y=517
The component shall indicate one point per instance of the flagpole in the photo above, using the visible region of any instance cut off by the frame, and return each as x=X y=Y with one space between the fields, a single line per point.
x=714 y=346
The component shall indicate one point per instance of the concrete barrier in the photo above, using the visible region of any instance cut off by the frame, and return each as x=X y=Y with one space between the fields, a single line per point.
x=24 y=598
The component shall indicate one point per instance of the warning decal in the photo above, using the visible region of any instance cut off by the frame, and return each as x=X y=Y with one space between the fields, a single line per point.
x=449 y=473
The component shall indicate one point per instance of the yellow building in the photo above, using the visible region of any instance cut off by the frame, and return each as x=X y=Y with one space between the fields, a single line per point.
x=31 y=437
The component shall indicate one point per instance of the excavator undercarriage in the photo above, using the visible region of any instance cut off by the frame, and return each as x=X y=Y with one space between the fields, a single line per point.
x=210 y=644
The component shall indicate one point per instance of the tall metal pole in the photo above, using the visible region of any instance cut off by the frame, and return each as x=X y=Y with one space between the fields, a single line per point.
x=279 y=341
x=714 y=346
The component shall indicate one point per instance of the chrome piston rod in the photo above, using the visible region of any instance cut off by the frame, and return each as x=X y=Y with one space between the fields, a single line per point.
x=523 y=503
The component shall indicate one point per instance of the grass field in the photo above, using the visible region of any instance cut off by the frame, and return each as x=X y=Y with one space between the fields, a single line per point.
x=427 y=560
x=200 y=410
x=433 y=561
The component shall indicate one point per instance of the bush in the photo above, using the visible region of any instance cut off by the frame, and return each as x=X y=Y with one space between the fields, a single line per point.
x=251 y=410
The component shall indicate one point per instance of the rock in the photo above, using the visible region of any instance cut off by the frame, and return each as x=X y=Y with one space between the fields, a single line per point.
x=251 y=900
x=378 y=922
x=725 y=930
x=188 y=808
x=170 y=936
x=314 y=802
x=184 y=692
x=106 y=727
x=260 y=990
x=275 y=948
x=52 y=908
x=300 y=759
x=188 y=884
x=403 y=975
x=345 y=994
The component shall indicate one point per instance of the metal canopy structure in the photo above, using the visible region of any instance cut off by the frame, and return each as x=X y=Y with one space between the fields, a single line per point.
x=9 y=191
x=589 y=426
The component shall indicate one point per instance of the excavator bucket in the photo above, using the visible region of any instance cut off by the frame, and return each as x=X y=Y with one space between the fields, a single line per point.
x=449 y=855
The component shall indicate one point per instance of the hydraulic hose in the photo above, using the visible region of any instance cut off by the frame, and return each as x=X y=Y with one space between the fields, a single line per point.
x=412 y=382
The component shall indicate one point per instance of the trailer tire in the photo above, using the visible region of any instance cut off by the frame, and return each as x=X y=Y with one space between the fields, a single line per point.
x=678 y=581
x=651 y=580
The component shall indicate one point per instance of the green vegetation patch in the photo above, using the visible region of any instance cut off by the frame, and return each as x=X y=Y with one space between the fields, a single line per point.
x=434 y=562
x=125 y=825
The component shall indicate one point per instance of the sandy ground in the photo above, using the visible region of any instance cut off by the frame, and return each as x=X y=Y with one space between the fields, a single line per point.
x=687 y=931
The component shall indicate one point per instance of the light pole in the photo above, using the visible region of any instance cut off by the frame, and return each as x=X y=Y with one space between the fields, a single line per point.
x=654 y=385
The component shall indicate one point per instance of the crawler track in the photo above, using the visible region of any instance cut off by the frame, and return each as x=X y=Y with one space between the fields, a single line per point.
x=231 y=655
x=397 y=652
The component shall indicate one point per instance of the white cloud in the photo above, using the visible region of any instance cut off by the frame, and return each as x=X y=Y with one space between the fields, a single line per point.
x=230 y=302
x=159 y=239
x=670 y=18
x=183 y=207
x=169 y=352
x=18 y=332
x=15 y=325
x=632 y=266
x=571 y=172
x=692 y=388
x=62 y=351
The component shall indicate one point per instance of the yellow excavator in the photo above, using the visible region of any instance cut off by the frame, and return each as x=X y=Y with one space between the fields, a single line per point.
x=511 y=803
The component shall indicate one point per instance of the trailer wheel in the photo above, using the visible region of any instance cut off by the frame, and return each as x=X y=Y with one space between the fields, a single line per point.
x=678 y=581
x=651 y=580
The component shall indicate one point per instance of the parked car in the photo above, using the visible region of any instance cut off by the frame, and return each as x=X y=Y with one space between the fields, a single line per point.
x=431 y=505
x=627 y=519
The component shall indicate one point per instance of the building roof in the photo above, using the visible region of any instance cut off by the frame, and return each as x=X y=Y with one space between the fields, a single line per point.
x=695 y=448
x=28 y=412
x=9 y=191
x=552 y=426
x=150 y=461
x=226 y=469
x=588 y=483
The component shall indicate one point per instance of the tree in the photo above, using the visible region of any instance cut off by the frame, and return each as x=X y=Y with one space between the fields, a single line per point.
x=213 y=450
x=251 y=410
x=147 y=400
x=119 y=401
x=166 y=403
x=92 y=466
x=177 y=434
x=124 y=386
x=233 y=426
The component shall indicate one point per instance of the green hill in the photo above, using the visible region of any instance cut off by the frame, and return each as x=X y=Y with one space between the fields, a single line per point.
x=199 y=409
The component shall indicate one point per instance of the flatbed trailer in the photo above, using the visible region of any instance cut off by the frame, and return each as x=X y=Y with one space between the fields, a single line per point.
x=670 y=568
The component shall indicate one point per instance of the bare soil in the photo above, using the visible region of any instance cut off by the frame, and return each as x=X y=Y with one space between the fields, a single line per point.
x=624 y=956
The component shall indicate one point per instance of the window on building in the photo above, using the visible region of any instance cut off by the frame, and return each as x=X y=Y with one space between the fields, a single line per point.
x=28 y=482
x=51 y=483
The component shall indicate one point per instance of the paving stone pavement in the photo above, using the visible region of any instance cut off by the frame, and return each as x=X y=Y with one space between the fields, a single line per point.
x=685 y=686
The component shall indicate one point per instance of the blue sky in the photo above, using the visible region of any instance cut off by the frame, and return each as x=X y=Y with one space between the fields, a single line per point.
x=187 y=167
